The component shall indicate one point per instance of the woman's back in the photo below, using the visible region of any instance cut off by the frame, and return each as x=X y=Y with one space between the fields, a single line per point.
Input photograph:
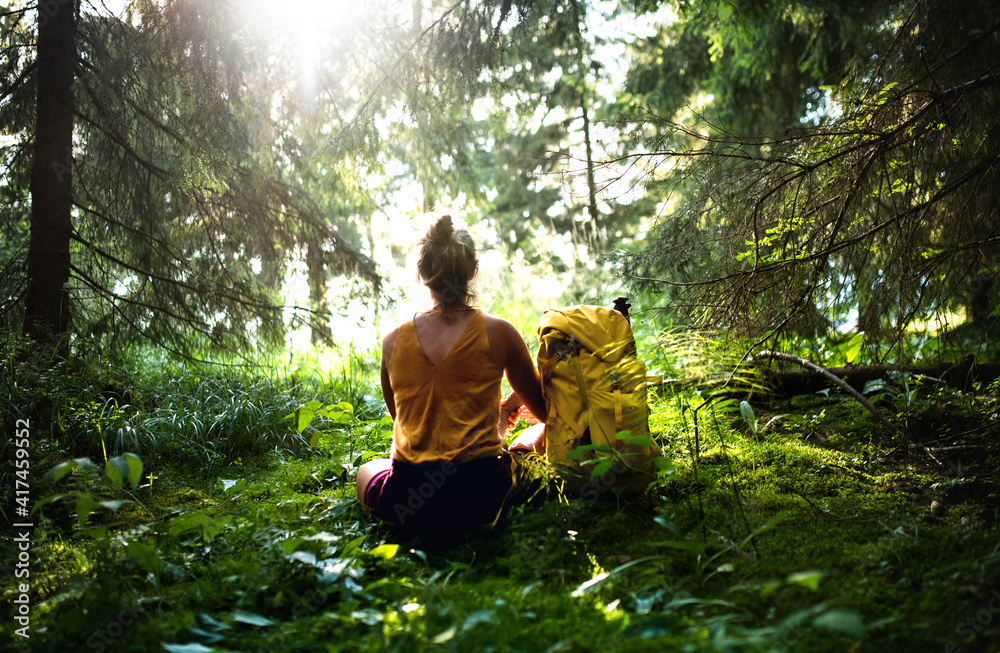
x=439 y=332
x=446 y=390
x=441 y=376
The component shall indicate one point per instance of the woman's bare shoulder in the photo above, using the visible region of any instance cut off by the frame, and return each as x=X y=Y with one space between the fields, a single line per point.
x=389 y=342
x=391 y=335
x=499 y=326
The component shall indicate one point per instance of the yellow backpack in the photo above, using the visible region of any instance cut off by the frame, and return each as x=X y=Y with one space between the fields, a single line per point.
x=595 y=393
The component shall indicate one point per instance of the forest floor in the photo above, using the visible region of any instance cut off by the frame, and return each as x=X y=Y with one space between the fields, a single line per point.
x=817 y=532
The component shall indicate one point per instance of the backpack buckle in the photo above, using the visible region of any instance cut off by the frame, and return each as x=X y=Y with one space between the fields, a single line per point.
x=563 y=350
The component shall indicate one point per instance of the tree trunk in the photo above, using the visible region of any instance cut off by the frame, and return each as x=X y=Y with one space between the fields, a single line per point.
x=595 y=239
x=591 y=186
x=47 y=311
x=320 y=332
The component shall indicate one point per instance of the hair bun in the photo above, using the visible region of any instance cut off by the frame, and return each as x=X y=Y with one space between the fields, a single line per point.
x=442 y=229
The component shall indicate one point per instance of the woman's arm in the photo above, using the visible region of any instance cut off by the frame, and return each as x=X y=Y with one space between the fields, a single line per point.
x=512 y=354
x=388 y=344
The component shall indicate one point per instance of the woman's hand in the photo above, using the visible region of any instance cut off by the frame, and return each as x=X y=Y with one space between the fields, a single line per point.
x=523 y=413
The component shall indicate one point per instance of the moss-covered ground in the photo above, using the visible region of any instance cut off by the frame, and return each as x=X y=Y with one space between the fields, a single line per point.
x=817 y=530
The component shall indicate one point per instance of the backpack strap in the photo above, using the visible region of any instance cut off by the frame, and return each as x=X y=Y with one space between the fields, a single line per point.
x=581 y=382
x=546 y=372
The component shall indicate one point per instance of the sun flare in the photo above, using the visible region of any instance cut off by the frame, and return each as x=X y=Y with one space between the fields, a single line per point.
x=308 y=28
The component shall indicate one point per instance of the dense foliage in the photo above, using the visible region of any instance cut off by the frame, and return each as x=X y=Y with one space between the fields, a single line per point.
x=822 y=163
x=780 y=168
x=189 y=180
x=188 y=510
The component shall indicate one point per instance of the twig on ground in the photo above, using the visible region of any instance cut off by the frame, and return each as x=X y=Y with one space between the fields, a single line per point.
x=843 y=385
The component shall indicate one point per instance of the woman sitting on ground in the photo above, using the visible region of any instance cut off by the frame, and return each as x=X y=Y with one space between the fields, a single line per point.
x=448 y=474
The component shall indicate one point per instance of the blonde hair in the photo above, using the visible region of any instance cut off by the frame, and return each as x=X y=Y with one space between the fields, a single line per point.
x=447 y=263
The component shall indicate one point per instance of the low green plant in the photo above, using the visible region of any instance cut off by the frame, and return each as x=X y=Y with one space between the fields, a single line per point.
x=807 y=533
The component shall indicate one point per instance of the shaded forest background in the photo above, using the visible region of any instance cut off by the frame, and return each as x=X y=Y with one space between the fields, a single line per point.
x=202 y=203
x=785 y=170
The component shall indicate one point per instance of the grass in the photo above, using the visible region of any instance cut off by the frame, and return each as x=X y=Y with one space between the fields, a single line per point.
x=818 y=532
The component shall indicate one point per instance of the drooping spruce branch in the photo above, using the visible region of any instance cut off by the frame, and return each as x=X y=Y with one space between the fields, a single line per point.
x=884 y=206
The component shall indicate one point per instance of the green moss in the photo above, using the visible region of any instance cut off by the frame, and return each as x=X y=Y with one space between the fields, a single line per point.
x=816 y=533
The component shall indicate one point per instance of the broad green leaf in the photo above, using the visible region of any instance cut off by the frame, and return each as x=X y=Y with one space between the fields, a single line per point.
x=97 y=532
x=303 y=416
x=46 y=500
x=844 y=621
x=117 y=470
x=251 y=618
x=338 y=417
x=211 y=622
x=478 y=617
x=291 y=544
x=663 y=463
x=581 y=451
x=134 y=469
x=85 y=463
x=192 y=522
x=85 y=506
x=643 y=441
x=875 y=385
x=385 y=551
x=145 y=554
x=808 y=579
x=852 y=347
x=352 y=545
x=186 y=648
x=769 y=588
x=746 y=410
x=59 y=471
x=527 y=589
x=602 y=467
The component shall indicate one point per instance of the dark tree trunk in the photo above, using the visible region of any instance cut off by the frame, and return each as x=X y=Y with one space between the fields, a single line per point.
x=320 y=321
x=47 y=313
x=981 y=303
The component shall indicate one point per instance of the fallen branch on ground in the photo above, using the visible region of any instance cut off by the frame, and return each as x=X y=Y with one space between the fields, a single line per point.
x=843 y=385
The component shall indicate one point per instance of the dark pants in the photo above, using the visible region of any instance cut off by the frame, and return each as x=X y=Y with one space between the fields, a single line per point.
x=441 y=502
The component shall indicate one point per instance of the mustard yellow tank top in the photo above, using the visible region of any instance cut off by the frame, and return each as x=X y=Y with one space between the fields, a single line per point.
x=447 y=411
